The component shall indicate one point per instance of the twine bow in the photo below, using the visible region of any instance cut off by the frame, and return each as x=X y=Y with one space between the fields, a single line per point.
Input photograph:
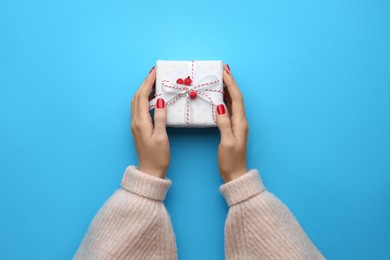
x=206 y=88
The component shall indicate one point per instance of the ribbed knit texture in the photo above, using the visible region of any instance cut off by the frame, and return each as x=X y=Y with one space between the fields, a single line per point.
x=260 y=226
x=134 y=223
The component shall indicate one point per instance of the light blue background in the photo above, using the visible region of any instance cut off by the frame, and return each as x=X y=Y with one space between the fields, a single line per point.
x=315 y=76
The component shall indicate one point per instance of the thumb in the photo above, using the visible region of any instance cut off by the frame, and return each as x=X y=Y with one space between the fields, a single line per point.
x=160 y=117
x=223 y=122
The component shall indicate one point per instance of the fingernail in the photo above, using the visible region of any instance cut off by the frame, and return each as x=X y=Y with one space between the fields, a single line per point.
x=151 y=70
x=221 y=109
x=160 y=103
x=227 y=69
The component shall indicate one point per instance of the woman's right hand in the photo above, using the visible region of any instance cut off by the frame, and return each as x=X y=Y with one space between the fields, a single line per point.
x=234 y=129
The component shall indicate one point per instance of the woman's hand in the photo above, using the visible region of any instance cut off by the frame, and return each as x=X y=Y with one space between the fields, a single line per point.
x=151 y=141
x=234 y=129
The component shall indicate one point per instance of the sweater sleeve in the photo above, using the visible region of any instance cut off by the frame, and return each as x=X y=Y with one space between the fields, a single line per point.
x=260 y=226
x=133 y=223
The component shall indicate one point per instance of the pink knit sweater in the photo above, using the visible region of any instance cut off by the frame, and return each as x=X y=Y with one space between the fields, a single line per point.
x=134 y=223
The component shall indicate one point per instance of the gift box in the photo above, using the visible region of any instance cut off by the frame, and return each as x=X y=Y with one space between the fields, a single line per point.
x=191 y=91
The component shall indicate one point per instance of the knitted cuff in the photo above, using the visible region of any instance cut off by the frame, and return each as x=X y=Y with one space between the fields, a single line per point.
x=242 y=188
x=145 y=185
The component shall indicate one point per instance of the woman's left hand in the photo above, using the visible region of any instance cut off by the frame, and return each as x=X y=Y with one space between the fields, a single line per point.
x=151 y=141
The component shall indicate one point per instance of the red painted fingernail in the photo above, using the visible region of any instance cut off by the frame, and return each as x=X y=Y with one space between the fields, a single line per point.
x=221 y=109
x=160 y=103
x=227 y=69
x=151 y=70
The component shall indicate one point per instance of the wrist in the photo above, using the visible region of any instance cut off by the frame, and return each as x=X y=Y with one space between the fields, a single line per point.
x=153 y=172
x=227 y=177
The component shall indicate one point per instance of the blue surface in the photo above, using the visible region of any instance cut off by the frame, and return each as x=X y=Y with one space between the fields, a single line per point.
x=316 y=80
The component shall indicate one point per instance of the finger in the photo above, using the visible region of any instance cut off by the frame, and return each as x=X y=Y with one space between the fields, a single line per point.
x=144 y=92
x=160 y=118
x=152 y=93
x=134 y=111
x=228 y=100
x=132 y=108
x=231 y=85
x=142 y=120
x=238 y=118
x=224 y=124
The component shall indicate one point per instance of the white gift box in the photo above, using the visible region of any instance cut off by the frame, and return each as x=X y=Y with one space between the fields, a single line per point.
x=191 y=90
